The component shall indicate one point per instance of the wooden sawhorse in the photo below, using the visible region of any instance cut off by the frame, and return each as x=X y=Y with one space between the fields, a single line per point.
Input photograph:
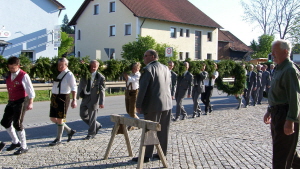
x=148 y=137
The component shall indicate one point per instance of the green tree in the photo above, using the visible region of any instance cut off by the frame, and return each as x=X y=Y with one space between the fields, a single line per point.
x=66 y=44
x=65 y=27
x=135 y=50
x=263 y=47
x=296 y=48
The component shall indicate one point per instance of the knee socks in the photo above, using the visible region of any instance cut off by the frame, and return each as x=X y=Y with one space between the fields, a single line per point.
x=12 y=133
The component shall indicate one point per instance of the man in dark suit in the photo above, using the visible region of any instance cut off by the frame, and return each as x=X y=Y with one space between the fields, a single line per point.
x=154 y=99
x=251 y=84
x=255 y=94
x=272 y=69
x=92 y=91
x=173 y=79
x=265 y=83
x=198 y=89
x=184 y=86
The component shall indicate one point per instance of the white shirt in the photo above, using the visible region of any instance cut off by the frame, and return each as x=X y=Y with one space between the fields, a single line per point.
x=206 y=81
x=26 y=82
x=67 y=85
x=134 y=79
x=92 y=80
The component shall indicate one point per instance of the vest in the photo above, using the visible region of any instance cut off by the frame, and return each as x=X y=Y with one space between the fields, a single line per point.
x=15 y=88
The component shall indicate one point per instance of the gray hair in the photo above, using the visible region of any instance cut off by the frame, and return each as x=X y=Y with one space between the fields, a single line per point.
x=153 y=52
x=284 y=44
x=64 y=60
x=94 y=61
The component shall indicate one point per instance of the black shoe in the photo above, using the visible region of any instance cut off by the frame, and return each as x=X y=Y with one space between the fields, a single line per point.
x=194 y=115
x=176 y=119
x=13 y=146
x=88 y=137
x=55 y=143
x=71 y=135
x=98 y=129
x=198 y=114
x=259 y=103
x=184 y=117
x=211 y=109
x=2 y=145
x=136 y=159
x=21 y=150
x=205 y=113
x=156 y=156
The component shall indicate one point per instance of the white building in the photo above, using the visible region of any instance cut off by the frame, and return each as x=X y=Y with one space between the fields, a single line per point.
x=102 y=27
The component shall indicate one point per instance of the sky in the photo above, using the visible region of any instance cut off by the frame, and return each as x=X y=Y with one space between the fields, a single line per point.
x=228 y=15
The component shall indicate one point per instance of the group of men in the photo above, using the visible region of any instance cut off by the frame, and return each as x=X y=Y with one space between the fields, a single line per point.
x=195 y=86
x=257 y=83
x=21 y=94
x=154 y=101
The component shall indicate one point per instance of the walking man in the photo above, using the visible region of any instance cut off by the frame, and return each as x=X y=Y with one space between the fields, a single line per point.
x=283 y=110
x=251 y=85
x=154 y=99
x=265 y=83
x=209 y=83
x=184 y=86
x=255 y=93
x=198 y=88
x=173 y=79
x=21 y=95
x=92 y=92
x=63 y=85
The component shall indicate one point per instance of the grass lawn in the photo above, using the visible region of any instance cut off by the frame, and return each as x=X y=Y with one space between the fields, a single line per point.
x=44 y=95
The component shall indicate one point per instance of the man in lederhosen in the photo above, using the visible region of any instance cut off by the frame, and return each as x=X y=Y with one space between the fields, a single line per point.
x=21 y=95
x=60 y=100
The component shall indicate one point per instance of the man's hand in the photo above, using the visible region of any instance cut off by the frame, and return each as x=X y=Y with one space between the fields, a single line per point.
x=30 y=106
x=288 y=127
x=268 y=86
x=189 y=96
x=254 y=88
x=173 y=97
x=267 y=118
x=101 y=106
x=139 y=110
x=74 y=104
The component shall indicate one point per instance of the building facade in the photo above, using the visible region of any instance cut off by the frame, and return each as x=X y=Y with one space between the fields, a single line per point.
x=102 y=27
x=31 y=26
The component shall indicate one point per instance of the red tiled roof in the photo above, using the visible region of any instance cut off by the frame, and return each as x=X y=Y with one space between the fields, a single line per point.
x=236 y=44
x=180 y=11
x=60 y=6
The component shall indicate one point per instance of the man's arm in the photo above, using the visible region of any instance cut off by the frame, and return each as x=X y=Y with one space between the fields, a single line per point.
x=28 y=87
x=101 y=91
x=143 y=83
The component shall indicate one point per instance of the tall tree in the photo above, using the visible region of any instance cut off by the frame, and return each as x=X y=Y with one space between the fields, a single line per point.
x=65 y=27
x=66 y=45
x=273 y=16
x=263 y=47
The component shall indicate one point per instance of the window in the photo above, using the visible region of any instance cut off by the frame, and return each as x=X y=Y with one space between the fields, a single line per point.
x=28 y=54
x=209 y=36
x=173 y=32
x=96 y=9
x=127 y=29
x=110 y=52
x=209 y=56
x=112 y=7
x=78 y=35
x=180 y=56
x=112 y=30
x=187 y=55
x=78 y=54
x=187 y=33
x=181 y=32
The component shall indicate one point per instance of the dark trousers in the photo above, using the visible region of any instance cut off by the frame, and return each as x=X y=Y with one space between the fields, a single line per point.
x=14 y=113
x=164 y=119
x=195 y=97
x=284 y=146
x=130 y=99
x=205 y=97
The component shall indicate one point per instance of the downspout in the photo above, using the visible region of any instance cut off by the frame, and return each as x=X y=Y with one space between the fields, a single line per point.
x=141 y=26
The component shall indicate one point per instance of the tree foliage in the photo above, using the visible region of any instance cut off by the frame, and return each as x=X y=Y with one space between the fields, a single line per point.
x=134 y=51
x=64 y=27
x=272 y=16
x=263 y=47
x=66 y=44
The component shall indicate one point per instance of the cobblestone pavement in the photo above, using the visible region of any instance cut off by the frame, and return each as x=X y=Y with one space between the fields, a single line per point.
x=226 y=138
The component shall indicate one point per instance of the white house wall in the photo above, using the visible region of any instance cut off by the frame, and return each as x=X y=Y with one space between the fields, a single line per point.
x=95 y=30
x=160 y=31
x=30 y=23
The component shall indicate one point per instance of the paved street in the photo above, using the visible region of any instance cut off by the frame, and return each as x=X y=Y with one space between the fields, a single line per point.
x=226 y=138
